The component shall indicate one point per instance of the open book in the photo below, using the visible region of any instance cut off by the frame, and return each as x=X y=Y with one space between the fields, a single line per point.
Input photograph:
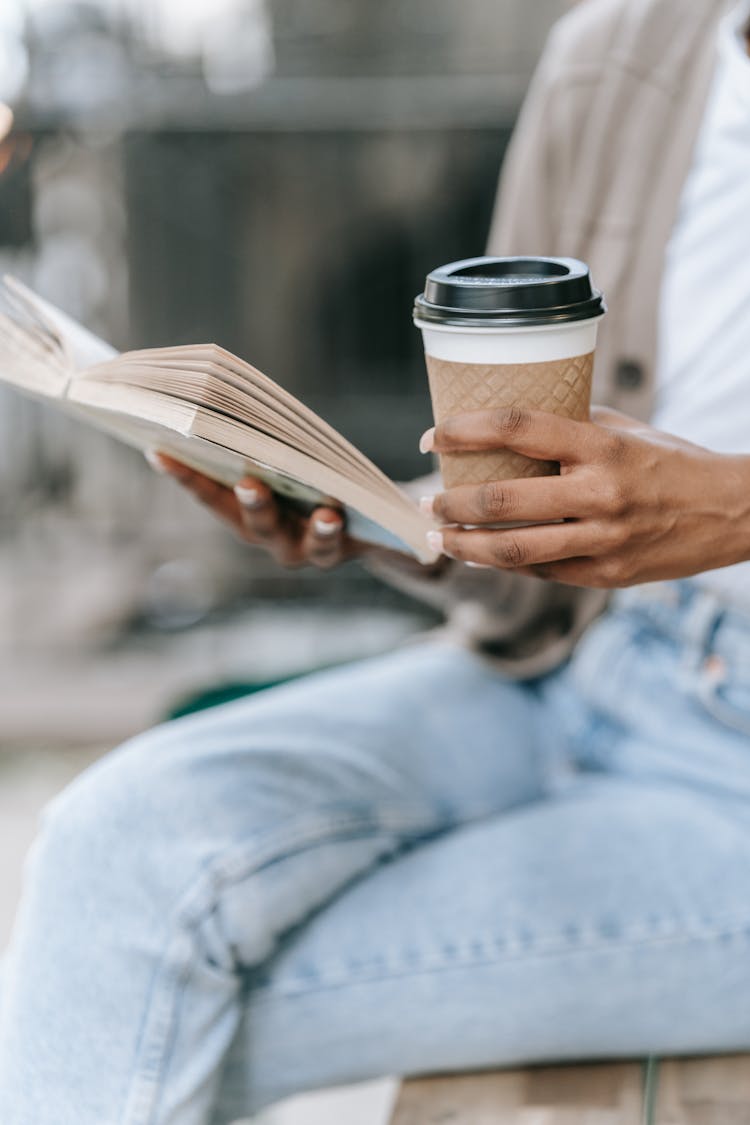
x=207 y=408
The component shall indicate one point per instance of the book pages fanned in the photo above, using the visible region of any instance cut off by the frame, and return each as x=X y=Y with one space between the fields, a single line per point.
x=207 y=408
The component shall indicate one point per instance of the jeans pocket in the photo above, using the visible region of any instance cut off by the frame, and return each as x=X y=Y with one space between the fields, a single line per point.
x=600 y=655
x=724 y=693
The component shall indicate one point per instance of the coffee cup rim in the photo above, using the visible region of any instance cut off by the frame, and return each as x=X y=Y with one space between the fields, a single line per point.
x=521 y=327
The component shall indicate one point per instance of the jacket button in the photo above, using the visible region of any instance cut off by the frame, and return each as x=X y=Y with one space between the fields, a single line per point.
x=629 y=374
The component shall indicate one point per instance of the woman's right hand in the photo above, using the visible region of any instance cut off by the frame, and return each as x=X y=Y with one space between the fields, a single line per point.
x=257 y=516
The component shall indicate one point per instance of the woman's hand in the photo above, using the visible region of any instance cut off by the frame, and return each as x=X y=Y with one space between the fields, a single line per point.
x=638 y=505
x=257 y=517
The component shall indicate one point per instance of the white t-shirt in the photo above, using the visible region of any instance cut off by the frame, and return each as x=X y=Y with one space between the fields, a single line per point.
x=703 y=366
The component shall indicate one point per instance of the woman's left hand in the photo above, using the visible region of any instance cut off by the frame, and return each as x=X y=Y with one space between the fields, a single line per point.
x=638 y=505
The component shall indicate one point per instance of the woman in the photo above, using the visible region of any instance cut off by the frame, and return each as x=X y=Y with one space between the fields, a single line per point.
x=470 y=854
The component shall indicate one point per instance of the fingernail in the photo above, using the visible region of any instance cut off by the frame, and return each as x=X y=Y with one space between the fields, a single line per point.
x=427 y=505
x=435 y=541
x=427 y=441
x=155 y=461
x=326 y=527
x=248 y=497
x=478 y=566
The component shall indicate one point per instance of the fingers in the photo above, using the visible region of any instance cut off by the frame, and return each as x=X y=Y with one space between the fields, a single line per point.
x=323 y=539
x=292 y=540
x=569 y=572
x=217 y=497
x=537 y=498
x=254 y=511
x=535 y=433
x=521 y=547
x=259 y=512
x=250 y=508
x=265 y=523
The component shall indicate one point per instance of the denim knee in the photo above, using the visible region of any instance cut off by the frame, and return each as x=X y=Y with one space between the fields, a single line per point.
x=105 y=838
x=147 y=839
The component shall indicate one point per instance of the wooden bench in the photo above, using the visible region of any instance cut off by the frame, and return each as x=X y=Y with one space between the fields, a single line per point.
x=705 y=1091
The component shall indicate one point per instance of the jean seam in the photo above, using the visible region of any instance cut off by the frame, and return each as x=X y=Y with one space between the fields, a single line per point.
x=269 y=993
x=201 y=898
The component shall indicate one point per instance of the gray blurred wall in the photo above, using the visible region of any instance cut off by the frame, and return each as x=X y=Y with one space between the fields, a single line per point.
x=159 y=212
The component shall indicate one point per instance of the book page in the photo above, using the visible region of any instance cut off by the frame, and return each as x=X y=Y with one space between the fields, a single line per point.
x=79 y=347
x=205 y=407
x=32 y=354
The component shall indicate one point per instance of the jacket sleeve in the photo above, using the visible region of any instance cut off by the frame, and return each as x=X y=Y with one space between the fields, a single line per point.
x=537 y=204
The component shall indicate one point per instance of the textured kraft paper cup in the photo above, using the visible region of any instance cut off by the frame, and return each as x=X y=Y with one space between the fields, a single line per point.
x=502 y=332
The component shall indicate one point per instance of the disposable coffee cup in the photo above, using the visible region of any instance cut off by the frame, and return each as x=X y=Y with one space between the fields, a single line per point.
x=501 y=332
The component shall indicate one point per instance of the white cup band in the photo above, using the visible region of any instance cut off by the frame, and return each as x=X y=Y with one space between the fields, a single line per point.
x=537 y=344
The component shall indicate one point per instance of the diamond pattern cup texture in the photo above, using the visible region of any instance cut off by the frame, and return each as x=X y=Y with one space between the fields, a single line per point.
x=560 y=386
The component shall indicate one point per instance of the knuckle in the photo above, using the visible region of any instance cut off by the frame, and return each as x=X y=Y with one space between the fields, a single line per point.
x=494 y=499
x=509 y=421
x=613 y=497
x=618 y=498
x=616 y=449
x=627 y=570
x=617 y=535
x=510 y=553
x=612 y=572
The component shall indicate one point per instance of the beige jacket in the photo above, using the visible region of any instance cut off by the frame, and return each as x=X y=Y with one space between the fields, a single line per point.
x=594 y=171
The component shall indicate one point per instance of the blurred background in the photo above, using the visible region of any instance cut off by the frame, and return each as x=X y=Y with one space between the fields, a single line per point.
x=274 y=175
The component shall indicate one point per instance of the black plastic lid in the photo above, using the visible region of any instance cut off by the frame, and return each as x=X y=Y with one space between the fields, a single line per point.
x=509 y=292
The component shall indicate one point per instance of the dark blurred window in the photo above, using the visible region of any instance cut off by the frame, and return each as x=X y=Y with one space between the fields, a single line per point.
x=304 y=251
x=15 y=192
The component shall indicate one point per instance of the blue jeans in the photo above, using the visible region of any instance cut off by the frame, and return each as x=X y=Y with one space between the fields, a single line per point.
x=406 y=865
